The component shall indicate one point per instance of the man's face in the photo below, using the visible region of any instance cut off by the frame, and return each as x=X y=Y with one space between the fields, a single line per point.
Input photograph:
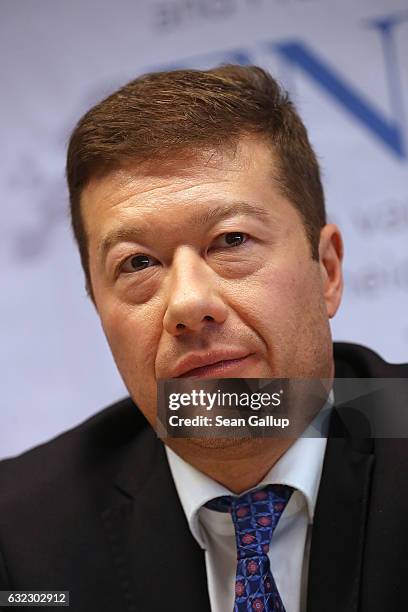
x=202 y=262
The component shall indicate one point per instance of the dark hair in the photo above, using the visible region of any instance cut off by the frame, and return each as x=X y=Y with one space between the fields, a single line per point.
x=184 y=111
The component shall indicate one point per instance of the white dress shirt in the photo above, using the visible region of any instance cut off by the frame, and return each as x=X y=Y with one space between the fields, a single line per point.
x=300 y=467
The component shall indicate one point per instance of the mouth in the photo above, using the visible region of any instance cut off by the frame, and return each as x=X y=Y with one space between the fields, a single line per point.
x=225 y=368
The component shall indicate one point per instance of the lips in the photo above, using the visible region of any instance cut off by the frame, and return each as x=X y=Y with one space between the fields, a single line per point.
x=214 y=363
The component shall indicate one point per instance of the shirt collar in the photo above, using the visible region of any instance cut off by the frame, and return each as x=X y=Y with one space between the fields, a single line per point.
x=299 y=467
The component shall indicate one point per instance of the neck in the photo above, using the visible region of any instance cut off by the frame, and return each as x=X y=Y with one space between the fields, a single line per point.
x=237 y=467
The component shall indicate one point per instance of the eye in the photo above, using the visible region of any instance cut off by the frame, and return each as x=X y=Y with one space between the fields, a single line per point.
x=135 y=263
x=230 y=239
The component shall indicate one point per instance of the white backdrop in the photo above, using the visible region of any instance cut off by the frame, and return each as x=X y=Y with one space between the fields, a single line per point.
x=345 y=64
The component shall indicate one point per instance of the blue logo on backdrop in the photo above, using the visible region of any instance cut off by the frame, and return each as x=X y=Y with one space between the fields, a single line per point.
x=298 y=55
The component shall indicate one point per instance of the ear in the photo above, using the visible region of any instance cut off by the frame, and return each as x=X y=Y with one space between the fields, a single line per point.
x=330 y=260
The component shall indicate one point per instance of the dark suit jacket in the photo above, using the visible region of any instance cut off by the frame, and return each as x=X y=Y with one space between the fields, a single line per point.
x=95 y=512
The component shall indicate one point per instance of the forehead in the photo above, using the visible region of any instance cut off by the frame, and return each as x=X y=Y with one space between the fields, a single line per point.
x=169 y=191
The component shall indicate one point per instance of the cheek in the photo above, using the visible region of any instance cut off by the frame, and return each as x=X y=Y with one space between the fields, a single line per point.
x=132 y=334
x=133 y=337
x=282 y=304
x=277 y=296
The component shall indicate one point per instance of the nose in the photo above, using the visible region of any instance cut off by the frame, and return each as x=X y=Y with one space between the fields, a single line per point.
x=193 y=300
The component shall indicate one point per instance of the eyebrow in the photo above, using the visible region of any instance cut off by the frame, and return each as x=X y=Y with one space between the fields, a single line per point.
x=129 y=232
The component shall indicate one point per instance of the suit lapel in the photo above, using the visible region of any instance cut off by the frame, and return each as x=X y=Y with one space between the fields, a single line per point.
x=340 y=522
x=158 y=562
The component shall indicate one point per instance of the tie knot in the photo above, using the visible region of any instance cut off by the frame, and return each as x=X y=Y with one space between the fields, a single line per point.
x=255 y=516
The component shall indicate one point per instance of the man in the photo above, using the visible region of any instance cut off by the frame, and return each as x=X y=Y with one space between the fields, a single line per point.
x=199 y=213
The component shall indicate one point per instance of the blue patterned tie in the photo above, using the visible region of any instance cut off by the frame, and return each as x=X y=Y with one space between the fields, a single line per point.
x=255 y=516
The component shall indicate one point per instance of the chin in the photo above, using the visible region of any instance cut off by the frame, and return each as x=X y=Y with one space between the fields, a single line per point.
x=219 y=442
x=222 y=448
